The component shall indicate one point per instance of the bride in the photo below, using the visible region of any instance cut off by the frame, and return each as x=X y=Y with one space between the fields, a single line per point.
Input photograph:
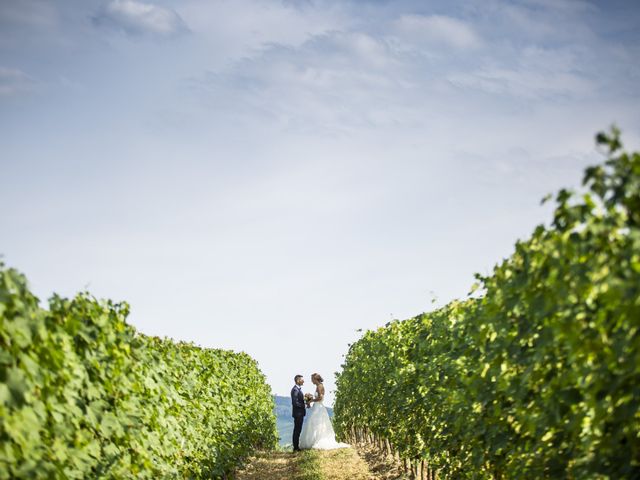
x=317 y=431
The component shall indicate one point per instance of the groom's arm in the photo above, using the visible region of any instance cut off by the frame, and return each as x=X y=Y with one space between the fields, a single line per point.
x=297 y=399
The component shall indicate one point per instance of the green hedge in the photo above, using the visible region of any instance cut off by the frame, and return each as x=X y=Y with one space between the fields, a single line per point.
x=536 y=377
x=84 y=395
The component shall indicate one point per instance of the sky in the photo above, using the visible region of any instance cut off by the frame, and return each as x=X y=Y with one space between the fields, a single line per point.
x=273 y=176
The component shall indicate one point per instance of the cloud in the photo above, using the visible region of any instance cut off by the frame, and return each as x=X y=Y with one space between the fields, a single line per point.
x=230 y=31
x=333 y=82
x=437 y=30
x=15 y=82
x=524 y=84
x=138 y=18
x=536 y=74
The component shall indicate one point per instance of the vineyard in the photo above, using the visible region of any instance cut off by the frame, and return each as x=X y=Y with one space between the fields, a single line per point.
x=536 y=375
x=84 y=395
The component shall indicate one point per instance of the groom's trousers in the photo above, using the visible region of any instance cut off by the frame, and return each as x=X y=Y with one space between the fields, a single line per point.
x=297 y=428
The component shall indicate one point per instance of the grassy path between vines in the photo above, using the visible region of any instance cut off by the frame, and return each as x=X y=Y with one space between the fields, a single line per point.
x=341 y=464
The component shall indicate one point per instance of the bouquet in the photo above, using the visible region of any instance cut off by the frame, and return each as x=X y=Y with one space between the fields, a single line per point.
x=308 y=398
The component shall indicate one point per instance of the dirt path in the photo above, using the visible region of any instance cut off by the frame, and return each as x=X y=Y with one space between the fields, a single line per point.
x=341 y=464
x=272 y=465
x=381 y=466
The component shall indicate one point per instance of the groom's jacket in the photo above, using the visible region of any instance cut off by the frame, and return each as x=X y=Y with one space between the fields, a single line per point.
x=297 y=402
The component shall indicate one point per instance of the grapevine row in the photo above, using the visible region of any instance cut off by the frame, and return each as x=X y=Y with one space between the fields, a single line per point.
x=538 y=376
x=84 y=395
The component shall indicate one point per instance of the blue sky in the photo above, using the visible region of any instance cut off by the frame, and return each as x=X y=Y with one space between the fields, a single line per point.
x=271 y=176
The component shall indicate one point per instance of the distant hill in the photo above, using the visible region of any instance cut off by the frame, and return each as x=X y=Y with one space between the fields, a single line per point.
x=284 y=420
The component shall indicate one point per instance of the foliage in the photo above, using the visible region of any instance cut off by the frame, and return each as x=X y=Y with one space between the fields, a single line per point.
x=84 y=395
x=537 y=378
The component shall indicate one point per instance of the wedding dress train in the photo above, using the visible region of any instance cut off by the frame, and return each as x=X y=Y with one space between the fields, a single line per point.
x=317 y=430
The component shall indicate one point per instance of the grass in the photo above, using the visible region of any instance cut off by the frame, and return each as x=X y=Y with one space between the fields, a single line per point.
x=309 y=467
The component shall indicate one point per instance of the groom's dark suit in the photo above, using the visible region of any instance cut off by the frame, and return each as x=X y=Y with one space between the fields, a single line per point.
x=298 y=412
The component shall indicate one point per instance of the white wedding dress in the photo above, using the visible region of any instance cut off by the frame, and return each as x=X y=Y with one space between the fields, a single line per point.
x=317 y=430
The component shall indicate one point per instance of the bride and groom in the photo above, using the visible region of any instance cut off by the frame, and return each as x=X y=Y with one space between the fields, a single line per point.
x=317 y=431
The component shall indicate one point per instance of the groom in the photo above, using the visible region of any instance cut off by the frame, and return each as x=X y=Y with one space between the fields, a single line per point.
x=299 y=410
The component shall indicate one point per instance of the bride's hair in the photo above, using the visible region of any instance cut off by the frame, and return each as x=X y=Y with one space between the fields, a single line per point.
x=318 y=377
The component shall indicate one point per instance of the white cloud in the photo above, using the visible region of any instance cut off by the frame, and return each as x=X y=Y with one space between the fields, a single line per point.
x=524 y=84
x=245 y=28
x=536 y=74
x=331 y=83
x=14 y=82
x=437 y=30
x=137 y=18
